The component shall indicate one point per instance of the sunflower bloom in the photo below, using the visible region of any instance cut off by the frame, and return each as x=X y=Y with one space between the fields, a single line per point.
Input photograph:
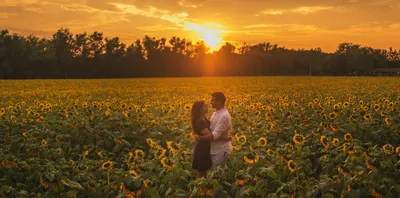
x=262 y=141
x=376 y=194
x=160 y=153
x=298 y=139
x=332 y=115
x=241 y=182
x=187 y=107
x=343 y=171
x=107 y=165
x=44 y=143
x=8 y=164
x=242 y=139
x=333 y=128
x=367 y=117
x=370 y=166
x=291 y=166
x=251 y=158
x=388 y=121
x=206 y=191
x=45 y=183
x=139 y=153
x=324 y=141
x=133 y=191
x=335 y=141
x=166 y=163
x=398 y=149
x=388 y=149
x=151 y=143
x=173 y=146
x=348 y=137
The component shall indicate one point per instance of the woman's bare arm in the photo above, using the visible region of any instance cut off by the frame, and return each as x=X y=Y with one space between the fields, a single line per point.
x=207 y=135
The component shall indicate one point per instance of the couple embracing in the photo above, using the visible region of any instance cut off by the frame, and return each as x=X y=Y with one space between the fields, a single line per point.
x=213 y=136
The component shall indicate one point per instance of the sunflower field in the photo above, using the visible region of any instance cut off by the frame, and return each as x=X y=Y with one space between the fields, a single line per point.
x=292 y=137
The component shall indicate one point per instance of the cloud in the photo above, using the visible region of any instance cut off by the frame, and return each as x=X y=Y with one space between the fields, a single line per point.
x=7 y=15
x=297 y=10
x=288 y=27
x=156 y=28
x=184 y=3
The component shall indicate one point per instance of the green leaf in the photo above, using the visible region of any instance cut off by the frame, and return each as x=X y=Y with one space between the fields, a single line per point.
x=71 y=194
x=72 y=184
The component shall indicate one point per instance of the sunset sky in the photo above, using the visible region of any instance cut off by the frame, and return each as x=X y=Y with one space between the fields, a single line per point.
x=290 y=23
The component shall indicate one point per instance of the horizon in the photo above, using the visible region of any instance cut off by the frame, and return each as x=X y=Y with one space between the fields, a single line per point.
x=291 y=24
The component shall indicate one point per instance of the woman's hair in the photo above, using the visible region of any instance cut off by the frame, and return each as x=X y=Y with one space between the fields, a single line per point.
x=196 y=112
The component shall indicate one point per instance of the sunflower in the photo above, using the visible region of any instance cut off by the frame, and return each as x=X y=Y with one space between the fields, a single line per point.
x=117 y=141
x=383 y=114
x=252 y=107
x=160 y=153
x=376 y=194
x=291 y=165
x=388 y=149
x=8 y=164
x=151 y=143
x=59 y=151
x=187 y=107
x=367 y=117
x=264 y=107
x=332 y=115
x=370 y=165
x=257 y=113
x=71 y=162
x=139 y=153
x=289 y=146
x=107 y=165
x=348 y=137
x=333 y=127
x=270 y=152
x=135 y=188
x=108 y=113
x=45 y=183
x=241 y=139
x=44 y=143
x=13 y=119
x=262 y=141
x=26 y=165
x=376 y=107
x=237 y=148
x=251 y=158
x=298 y=139
x=166 y=163
x=206 y=191
x=344 y=171
x=241 y=180
x=335 y=141
x=398 y=149
x=324 y=141
x=173 y=146
x=388 y=121
x=100 y=154
x=126 y=114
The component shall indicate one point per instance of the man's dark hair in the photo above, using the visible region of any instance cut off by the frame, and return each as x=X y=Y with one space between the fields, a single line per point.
x=219 y=96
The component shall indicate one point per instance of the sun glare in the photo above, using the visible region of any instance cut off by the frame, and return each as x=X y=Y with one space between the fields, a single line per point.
x=211 y=34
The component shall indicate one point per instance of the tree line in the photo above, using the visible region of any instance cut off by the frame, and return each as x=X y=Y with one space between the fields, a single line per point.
x=84 y=55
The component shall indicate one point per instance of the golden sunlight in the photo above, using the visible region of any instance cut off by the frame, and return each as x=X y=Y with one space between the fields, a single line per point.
x=210 y=33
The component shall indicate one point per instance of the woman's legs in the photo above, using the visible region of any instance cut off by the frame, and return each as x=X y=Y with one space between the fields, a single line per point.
x=201 y=174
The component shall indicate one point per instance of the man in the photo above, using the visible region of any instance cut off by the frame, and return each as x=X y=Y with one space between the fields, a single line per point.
x=221 y=126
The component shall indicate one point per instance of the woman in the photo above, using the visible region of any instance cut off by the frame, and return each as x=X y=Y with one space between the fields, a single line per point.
x=201 y=126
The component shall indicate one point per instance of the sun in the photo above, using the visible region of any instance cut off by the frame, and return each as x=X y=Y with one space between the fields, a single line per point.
x=210 y=33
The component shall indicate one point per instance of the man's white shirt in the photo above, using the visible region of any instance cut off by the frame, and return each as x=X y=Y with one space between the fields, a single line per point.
x=221 y=126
